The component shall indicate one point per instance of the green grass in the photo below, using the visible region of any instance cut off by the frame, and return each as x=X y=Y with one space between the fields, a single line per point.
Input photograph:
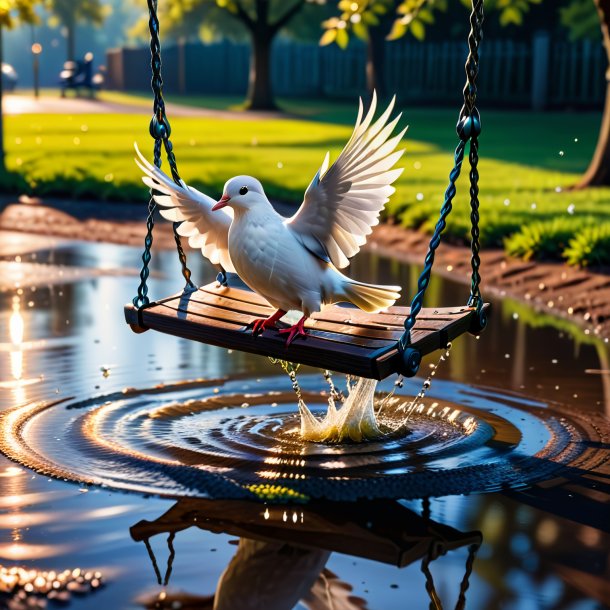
x=523 y=175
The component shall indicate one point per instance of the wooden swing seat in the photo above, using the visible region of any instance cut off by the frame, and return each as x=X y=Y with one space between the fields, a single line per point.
x=340 y=338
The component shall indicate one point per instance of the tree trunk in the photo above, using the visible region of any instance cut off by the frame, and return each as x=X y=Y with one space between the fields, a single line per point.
x=598 y=173
x=260 y=90
x=71 y=40
x=375 y=58
x=2 y=162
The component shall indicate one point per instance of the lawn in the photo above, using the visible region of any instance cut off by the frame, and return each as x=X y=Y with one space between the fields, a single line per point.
x=527 y=162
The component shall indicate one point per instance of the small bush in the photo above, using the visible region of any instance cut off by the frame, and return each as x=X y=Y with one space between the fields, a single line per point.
x=545 y=240
x=590 y=246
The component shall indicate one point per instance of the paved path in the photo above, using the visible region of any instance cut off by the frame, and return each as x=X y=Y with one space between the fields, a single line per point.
x=22 y=104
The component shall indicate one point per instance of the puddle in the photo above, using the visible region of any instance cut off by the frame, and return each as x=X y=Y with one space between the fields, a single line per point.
x=64 y=374
x=219 y=441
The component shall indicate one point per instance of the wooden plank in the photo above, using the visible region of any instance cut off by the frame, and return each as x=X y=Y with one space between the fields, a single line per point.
x=339 y=338
x=313 y=351
x=204 y=314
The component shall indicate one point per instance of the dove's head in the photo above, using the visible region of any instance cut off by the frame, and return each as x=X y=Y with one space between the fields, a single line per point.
x=242 y=193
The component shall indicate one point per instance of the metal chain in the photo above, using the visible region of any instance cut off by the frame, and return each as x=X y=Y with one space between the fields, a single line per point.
x=435 y=600
x=472 y=126
x=472 y=553
x=170 y=558
x=468 y=129
x=475 y=299
x=160 y=130
x=153 y=559
x=424 y=278
x=433 y=552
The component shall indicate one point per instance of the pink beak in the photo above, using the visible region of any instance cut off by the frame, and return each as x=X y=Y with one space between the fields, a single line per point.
x=224 y=200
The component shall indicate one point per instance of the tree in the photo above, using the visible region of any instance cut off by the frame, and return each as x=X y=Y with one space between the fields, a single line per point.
x=579 y=14
x=12 y=13
x=69 y=13
x=582 y=17
x=261 y=20
x=377 y=20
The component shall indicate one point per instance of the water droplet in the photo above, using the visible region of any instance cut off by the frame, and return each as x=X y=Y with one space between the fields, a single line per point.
x=419 y=196
x=507 y=202
x=534 y=206
x=571 y=208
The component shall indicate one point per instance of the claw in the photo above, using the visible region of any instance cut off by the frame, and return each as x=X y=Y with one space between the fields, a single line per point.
x=260 y=324
x=297 y=330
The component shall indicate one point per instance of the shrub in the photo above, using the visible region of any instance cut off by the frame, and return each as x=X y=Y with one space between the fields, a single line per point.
x=544 y=240
x=590 y=246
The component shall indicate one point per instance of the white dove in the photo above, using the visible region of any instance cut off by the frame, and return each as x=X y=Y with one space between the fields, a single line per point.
x=293 y=262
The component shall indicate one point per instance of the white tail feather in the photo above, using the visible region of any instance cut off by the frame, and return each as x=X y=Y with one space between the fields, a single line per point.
x=370 y=297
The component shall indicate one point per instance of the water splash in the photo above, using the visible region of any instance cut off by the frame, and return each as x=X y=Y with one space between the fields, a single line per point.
x=355 y=420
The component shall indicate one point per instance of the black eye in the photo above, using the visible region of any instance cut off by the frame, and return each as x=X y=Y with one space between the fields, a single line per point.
x=243 y=190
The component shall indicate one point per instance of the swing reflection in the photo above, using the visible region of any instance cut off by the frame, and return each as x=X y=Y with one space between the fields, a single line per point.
x=283 y=550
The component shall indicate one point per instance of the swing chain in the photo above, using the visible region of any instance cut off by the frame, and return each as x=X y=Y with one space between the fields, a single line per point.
x=468 y=129
x=160 y=131
x=434 y=551
x=424 y=278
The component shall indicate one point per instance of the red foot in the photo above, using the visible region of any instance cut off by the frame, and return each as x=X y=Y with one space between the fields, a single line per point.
x=295 y=331
x=260 y=324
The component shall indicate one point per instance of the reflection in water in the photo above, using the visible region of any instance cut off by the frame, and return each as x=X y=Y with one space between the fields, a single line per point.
x=532 y=558
x=282 y=550
x=22 y=588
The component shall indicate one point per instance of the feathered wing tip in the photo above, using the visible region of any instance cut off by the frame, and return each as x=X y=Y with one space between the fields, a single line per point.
x=371 y=297
x=206 y=230
x=344 y=200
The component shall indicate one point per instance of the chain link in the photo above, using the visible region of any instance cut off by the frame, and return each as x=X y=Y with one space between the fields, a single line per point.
x=468 y=129
x=424 y=278
x=435 y=549
x=160 y=131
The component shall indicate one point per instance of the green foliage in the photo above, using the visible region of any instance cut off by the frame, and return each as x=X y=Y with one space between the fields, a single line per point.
x=543 y=240
x=590 y=246
x=581 y=242
x=15 y=12
x=581 y=18
x=90 y=157
x=68 y=12
x=412 y=17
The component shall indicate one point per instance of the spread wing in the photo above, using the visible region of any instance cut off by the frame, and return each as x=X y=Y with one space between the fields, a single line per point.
x=206 y=230
x=343 y=202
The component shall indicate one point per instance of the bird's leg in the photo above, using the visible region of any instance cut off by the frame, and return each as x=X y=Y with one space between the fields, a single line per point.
x=259 y=325
x=295 y=331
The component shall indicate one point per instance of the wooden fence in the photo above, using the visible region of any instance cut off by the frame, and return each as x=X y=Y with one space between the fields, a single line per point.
x=542 y=73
